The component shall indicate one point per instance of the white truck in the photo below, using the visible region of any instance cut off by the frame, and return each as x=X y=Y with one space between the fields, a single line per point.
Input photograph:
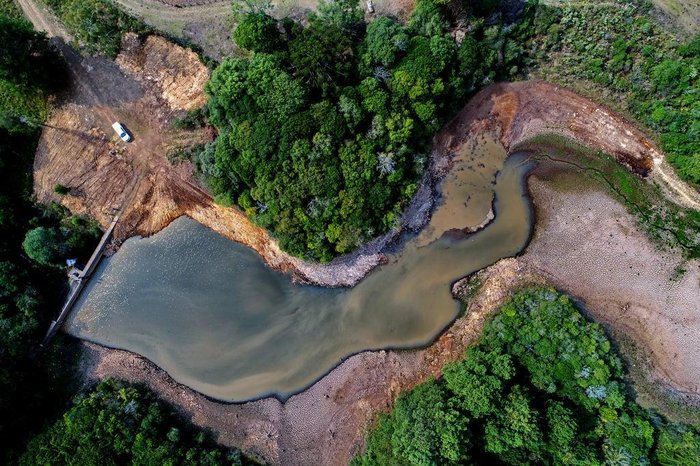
x=119 y=129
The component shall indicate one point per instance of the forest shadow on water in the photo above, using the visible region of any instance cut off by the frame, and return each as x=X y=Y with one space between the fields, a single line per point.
x=217 y=319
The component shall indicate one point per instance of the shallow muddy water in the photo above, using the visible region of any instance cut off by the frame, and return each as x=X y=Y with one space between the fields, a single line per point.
x=211 y=314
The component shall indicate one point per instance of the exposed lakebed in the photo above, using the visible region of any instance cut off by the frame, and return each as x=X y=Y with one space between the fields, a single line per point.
x=217 y=319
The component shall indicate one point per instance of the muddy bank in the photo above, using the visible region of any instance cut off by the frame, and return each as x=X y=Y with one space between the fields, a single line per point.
x=584 y=242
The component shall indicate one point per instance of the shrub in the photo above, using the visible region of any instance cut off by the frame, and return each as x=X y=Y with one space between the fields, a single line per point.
x=61 y=190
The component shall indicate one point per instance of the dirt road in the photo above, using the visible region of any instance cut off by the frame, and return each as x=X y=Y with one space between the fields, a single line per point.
x=43 y=19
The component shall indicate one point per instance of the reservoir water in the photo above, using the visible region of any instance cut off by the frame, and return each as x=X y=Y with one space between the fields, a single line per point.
x=210 y=313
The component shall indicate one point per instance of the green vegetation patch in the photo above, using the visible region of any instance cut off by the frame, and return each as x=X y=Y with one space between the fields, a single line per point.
x=29 y=70
x=664 y=222
x=56 y=235
x=118 y=423
x=325 y=128
x=97 y=26
x=9 y=8
x=543 y=386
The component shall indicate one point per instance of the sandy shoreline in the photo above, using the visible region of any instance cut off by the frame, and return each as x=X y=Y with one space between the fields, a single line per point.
x=326 y=423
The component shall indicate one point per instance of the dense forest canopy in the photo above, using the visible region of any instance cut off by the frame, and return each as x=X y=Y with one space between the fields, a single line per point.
x=543 y=386
x=325 y=128
x=119 y=424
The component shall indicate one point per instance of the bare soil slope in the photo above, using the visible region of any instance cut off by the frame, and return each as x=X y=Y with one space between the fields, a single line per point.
x=174 y=73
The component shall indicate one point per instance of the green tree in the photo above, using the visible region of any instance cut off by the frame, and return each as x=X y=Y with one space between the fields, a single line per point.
x=479 y=380
x=677 y=445
x=513 y=432
x=258 y=32
x=44 y=245
x=96 y=25
x=322 y=56
x=26 y=58
x=344 y=14
x=427 y=429
x=385 y=40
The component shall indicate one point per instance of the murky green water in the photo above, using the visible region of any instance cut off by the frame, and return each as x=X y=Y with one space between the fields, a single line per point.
x=211 y=314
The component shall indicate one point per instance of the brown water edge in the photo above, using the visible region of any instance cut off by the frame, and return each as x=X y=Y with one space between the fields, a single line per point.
x=212 y=315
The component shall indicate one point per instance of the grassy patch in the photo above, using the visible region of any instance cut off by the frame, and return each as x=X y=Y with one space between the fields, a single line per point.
x=10 y=8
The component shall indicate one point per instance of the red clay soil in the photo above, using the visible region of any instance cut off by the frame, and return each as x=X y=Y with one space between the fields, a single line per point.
x=524 y=110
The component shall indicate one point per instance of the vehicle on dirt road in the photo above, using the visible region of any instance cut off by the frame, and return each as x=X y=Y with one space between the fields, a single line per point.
x=119 y=129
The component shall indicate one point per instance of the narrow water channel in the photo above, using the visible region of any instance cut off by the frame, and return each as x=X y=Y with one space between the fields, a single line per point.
x=211 y=314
